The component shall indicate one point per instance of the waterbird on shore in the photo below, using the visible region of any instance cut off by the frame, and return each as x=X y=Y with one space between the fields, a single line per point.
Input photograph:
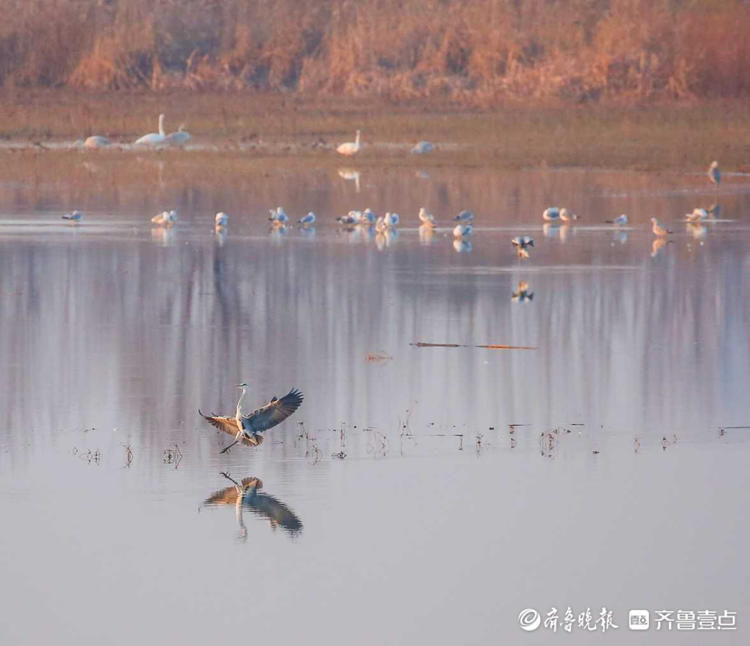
x=350 y=147
x=248 y=428
x=567 y=216
x=620 y=221
x=247 y=495
x=422 y=147
x=74 y=216
x=522 y=242
x=179 y=138
x=462 y=230
x=307 y=220
x=391 y=219
x=658 y=229
x=426 y=218
x=154 y=138
x=464 y=216
x=714 y=174
x=221 y=220
x=96 y=141
x=551 y=214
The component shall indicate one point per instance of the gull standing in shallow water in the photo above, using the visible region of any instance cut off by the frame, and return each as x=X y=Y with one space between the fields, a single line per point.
x=658 y=229
x=75 y=216
x=620 y=221
x=165 y=218
x=307 y=220
x=248 y=428
x=278 y=217
x=426 y=218
x=221 y=220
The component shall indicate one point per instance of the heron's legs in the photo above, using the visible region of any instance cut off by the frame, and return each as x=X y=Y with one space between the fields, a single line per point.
x=226 y=448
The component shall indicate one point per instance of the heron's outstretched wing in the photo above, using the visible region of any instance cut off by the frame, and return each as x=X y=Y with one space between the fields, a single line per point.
x=274 y=412
x=225 y=424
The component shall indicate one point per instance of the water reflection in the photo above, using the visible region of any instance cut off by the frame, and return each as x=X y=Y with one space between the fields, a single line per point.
x=246 y=496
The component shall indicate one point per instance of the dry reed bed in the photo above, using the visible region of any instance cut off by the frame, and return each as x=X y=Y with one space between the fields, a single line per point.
x=477 y=54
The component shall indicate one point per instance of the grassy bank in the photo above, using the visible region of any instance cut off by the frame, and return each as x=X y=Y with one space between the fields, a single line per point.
x=684 y=136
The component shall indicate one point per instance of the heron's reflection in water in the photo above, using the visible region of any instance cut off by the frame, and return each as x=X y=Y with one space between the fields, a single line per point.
x=246 y=495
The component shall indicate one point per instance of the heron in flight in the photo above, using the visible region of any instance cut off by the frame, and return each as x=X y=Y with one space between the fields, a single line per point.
x=248 y=428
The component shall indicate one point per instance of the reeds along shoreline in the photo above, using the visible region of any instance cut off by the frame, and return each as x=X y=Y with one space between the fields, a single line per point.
x=474 y=54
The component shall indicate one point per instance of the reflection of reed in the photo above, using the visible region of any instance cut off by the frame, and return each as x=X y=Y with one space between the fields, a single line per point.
x=246 y=495
x=149 y=333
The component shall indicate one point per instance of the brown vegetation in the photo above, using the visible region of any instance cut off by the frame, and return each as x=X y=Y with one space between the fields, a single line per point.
x=479 y=53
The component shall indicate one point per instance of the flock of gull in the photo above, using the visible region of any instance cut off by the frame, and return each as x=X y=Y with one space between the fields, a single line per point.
x=384 y=227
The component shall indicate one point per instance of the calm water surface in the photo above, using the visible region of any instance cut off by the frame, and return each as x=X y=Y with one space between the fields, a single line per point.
x=420 y=495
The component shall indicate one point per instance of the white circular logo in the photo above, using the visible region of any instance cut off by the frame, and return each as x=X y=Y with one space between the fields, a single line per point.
x=529 y=619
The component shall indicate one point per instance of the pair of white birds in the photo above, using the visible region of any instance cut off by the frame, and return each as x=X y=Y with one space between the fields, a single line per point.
x=351 y=148
x=179 y=138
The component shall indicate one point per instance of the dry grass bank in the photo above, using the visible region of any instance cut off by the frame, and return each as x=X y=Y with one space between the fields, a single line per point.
x=612 y=136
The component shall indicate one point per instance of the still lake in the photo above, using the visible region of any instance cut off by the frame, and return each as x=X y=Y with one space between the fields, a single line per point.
x=421 y=495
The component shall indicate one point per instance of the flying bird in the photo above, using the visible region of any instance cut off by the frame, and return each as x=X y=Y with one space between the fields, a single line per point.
x=249 y=428
x=522 y=242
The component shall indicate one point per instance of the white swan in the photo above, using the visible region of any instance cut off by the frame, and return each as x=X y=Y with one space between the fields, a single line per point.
x=350 y=147
x=422 y=147
x=426 y=218
x=179 y=138
x=153 y=138
x=96 y=141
